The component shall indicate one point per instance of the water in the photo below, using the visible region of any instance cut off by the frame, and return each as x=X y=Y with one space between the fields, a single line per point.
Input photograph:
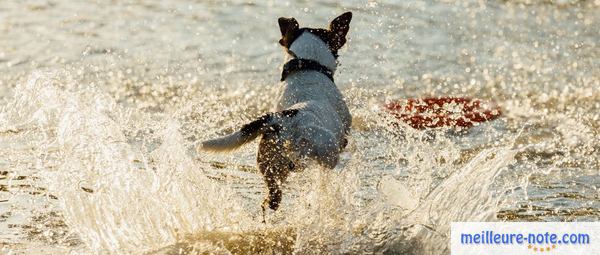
x=102 y=104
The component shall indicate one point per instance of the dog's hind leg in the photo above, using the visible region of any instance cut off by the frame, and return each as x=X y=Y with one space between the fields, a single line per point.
x=275 y=166
x=321 y=145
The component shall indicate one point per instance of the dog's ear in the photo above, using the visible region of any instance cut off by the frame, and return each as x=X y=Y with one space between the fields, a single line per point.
x=339 y=28
x=288 y=27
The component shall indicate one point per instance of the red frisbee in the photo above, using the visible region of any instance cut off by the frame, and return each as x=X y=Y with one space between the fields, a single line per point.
x=421 y=113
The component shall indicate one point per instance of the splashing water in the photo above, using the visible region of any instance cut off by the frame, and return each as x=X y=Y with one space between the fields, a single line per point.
x=120 y=194
x=131 y=200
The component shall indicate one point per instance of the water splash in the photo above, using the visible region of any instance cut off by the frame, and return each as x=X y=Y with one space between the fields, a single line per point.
x=119 y=198
x=127 y=180
x=124 y=192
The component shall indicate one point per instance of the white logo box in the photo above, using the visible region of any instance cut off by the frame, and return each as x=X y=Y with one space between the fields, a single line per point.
x=516 y=238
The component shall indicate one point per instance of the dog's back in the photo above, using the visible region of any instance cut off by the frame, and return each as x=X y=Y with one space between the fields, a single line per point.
x=318 y=92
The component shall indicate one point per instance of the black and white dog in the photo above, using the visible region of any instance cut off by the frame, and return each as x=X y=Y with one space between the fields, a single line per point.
x=311 y=119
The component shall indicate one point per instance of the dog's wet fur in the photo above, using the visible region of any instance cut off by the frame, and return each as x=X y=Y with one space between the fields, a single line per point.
x=311 y=121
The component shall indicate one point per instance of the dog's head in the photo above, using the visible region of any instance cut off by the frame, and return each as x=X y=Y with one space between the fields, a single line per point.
x=334 y=37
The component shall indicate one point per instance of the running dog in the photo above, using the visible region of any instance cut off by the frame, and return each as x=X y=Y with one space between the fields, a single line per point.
x=311 y=119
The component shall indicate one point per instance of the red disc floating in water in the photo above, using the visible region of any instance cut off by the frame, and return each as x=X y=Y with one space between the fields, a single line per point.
x=435 y=112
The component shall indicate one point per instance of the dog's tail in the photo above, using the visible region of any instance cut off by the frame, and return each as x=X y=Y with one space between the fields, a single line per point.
x=248 y=132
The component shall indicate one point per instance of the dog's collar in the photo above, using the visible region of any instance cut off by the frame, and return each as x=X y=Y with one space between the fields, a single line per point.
x=301 y=64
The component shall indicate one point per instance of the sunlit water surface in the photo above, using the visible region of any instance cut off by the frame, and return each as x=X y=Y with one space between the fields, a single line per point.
x=103 y=103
